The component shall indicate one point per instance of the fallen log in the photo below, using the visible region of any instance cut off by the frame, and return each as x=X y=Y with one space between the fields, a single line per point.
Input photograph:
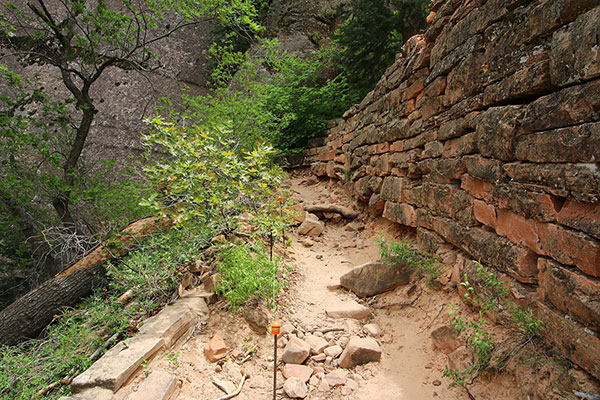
x=27 y=316
x=332 y=208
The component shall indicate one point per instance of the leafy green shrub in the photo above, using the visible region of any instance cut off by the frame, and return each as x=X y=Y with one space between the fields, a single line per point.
x=152 y=272
x=305 y=94
x=200 y=177
x=491 y=295
x=246 y=271
x=391 y=252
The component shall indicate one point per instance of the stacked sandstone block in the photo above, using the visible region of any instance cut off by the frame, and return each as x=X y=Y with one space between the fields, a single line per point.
x=486 y=135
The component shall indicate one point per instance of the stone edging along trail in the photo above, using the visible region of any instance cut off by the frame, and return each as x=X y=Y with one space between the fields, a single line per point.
x=159 y=332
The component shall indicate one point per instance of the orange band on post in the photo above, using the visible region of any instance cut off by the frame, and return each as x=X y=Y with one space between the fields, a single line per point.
x=275 y=327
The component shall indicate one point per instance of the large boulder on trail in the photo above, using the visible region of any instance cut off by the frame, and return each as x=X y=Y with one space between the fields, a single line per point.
x=311 y=225
x=375 y=277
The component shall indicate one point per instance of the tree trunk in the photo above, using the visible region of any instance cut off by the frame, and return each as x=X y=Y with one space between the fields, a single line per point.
x=27 y=316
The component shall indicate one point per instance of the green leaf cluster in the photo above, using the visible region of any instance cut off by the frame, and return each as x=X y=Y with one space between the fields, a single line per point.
x=200 y=177
x=247 y=272
x=392 y=252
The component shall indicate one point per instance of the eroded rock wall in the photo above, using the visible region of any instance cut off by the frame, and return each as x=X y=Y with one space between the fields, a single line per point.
x=486 y=136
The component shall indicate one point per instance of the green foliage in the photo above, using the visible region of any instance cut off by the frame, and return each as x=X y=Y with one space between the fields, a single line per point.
x=392 y=252
x=201 y=177
x=294 y=97
x=460 y=378
x=146 y=367
x=526 y=320
x=42 y=139
x=305 y=93
x=372 y=34
x=155 y=268
x=281 y=99
x=240 y=114
x=247 y=272
x=173 y=359
x=494 y=296
x=489 y=294
x=231 y=40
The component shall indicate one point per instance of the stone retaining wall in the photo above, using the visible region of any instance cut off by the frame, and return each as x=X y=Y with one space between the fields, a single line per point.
x=486 y=136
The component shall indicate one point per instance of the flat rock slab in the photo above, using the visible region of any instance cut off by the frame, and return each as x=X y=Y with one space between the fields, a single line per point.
x=348 y=309
x=337 y=377
x=316 y=343
x=333 y=351
x=92 y=394
x=118 y=364
x=301 y=372
x=295 y=388
x=170 y=323
x=159 y=385
x=374 y=278
x=195 y=300
x=445 y=339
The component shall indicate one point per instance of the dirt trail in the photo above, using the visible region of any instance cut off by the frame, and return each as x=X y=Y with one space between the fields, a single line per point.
x=410 y=369
x=409 y=365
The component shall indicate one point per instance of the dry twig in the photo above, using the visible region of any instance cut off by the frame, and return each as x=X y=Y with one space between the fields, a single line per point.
x=239 y=389
x=432 y=320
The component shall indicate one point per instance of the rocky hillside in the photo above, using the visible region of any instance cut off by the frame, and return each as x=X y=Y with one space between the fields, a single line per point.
x=487 y=137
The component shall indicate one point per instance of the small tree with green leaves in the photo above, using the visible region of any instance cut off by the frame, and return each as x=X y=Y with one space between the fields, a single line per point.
x=201 y=179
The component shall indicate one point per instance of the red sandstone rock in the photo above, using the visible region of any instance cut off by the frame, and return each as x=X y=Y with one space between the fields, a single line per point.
x=215 y=349
x=581 y=180
x=476 y=187
x=348 y=309
x=401 y=213
x=582 y=216
x=301 y=372
x=485 y=213
x=374 y=278
x=360 y=351
x=461 y=358
x=337 y=377
x=465 y=144
x=571 y=339
x=496 y=132
x=519 y=230
x=571 y=247
x=295 y=388
x=296 y=351
x=574 y=54
x=430 y=17
x=526 y=202
x=159 y=385
x=579 y=143
x=449 y=201
x=570 y=292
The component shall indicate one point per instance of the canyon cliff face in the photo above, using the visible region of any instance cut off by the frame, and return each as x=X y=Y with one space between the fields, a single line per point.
x=485 y=136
